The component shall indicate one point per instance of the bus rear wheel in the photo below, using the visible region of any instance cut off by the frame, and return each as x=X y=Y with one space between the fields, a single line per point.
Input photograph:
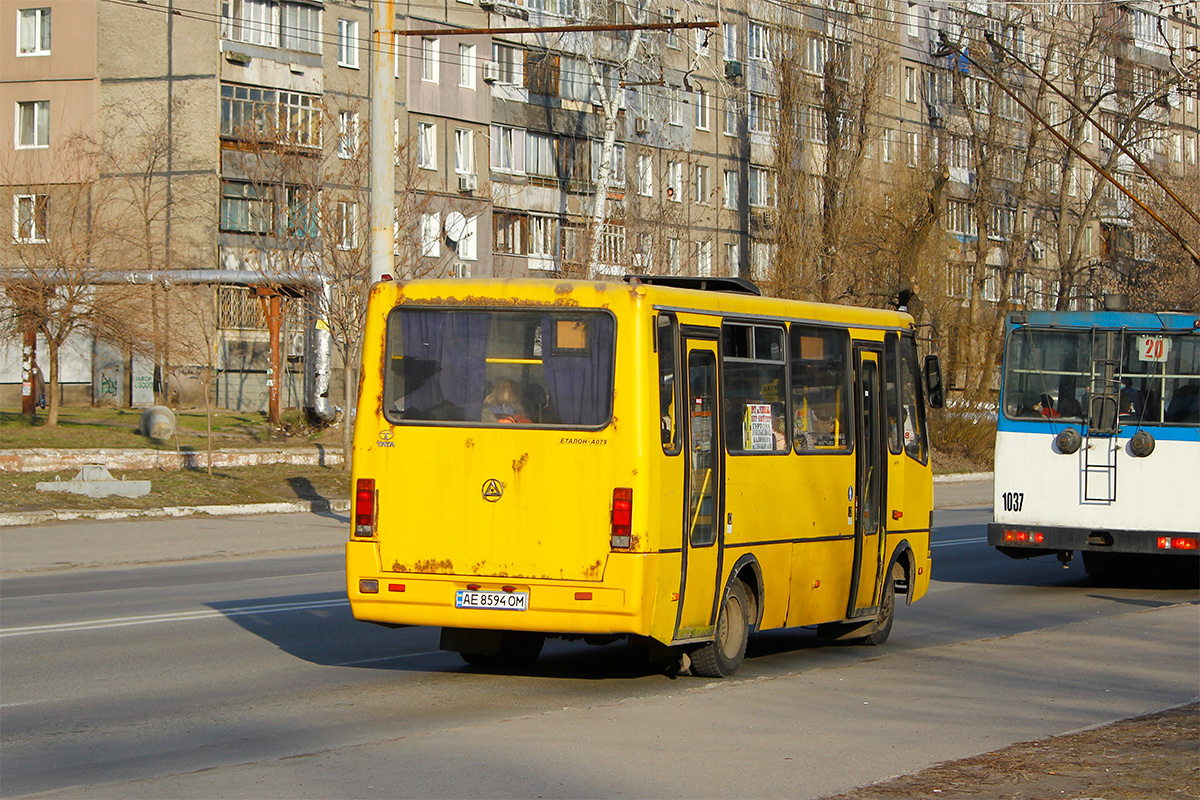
x=721 y=657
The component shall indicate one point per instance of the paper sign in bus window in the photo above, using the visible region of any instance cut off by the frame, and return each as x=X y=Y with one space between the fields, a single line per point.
x=756 y=427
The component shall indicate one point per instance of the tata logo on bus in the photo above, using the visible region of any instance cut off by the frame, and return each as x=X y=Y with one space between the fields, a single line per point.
x=385 y=439
x=493 y=490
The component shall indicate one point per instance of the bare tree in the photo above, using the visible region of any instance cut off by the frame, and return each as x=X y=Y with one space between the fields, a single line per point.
x=66 y=229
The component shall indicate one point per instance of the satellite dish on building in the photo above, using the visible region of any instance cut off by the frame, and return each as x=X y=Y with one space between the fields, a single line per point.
x=456 y=226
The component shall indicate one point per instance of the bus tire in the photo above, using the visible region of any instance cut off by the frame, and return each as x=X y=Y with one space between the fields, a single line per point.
x=887 y=610
x=518 y=649
x=721 y=657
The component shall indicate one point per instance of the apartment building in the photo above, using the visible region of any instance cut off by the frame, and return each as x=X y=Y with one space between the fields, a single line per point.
x=521 y=151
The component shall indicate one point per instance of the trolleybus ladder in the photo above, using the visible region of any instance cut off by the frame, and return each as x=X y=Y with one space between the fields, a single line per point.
x=1100 y=447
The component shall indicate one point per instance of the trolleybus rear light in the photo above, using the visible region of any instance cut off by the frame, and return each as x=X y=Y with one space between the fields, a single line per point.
x=622 y=518
x=583 y=595
x=368 y=586
x=364 y=507
x=1024 y=537
x=1178 y=543
x=395 y=587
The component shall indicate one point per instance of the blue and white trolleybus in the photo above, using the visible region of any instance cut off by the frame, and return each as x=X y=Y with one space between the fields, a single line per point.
x=1098 y=438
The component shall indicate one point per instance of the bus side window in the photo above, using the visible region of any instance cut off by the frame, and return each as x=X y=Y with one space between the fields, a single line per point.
x=912 y=408
x=820 y=389
x=891 y=392
x=668 y=387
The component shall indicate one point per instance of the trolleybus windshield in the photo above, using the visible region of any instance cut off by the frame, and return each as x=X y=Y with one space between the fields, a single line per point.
x=1049 y=372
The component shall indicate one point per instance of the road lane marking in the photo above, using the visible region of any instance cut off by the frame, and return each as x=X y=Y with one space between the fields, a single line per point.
x=178 y=616
x=957 y=542
x=388 y=658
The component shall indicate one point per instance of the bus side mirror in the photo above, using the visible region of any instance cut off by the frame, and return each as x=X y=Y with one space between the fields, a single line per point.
x=933 y=382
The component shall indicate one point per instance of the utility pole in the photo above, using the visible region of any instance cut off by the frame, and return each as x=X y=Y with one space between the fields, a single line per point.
x=383 y=113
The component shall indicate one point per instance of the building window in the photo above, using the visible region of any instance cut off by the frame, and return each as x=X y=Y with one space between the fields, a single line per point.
x=347 y=225
x=302 y=28
x=511 y=66
x=540 y=155
x=703 y=253
x=673 y=255
x=729 y=41
x=675 y=181
x=431 y=234
x=33 y=123
x=509 y=233
x=543 y=236
x=616 y=175
x=302 y=212
x=756 y=42
x=700 y=185
x=914 y=20
x=889 y=145
x=466 y=66
x=31 y=218
x=464 y=151
x=814 y=55
x=245 y=208
x=427 y=145
x=731 y=258
x=910 y=84
x=732 y=112
x=251 y=21
x=760 y=261
x=914 y=147
x=300 y=119
x=674 y=106
x=761 y=188
x=33 y=32
x=701 y=99
x=467 y=246
x=347 y=134
x=762 y=112
x=430 y=55
x=669 y=17
x=347 y=52
x=508 y=149
x=247 y=112
x=645 y=176
x=730 y=193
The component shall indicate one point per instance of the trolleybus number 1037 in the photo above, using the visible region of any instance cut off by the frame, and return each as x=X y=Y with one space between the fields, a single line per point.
x=1013 y=500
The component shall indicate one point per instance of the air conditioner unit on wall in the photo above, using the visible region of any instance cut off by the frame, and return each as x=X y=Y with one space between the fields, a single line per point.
x=491 y=71
x=468 y=183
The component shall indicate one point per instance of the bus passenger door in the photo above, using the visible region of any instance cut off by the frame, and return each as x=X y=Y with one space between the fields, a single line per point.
x=698 y=589
x=869 y=484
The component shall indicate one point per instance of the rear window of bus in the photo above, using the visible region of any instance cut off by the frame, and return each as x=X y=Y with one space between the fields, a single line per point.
x=499 y=367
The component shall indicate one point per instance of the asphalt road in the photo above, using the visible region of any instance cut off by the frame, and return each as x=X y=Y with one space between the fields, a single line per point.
x=247 y=677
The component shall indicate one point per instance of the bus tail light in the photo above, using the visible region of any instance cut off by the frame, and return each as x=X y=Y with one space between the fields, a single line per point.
x=622 y=518
x=364 y=507
x=1178 y=543
x=1023 y=537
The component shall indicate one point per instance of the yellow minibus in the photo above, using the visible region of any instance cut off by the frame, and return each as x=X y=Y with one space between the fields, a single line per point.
x=677 y=460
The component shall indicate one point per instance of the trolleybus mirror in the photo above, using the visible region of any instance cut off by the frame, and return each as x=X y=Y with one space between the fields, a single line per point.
x=933 y=382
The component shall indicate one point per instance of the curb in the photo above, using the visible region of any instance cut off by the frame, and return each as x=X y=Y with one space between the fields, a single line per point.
x=46 y=459
x=38 y=517
x=963 y=477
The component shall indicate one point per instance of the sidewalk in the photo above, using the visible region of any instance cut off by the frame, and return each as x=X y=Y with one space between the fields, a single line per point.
x=114 y=538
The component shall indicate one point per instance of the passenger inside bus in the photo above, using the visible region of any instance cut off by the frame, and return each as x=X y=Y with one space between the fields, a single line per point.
x=504 y=404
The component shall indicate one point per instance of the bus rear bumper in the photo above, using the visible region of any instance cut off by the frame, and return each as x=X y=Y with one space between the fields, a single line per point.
x=554 y=607
x=1026 y=541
